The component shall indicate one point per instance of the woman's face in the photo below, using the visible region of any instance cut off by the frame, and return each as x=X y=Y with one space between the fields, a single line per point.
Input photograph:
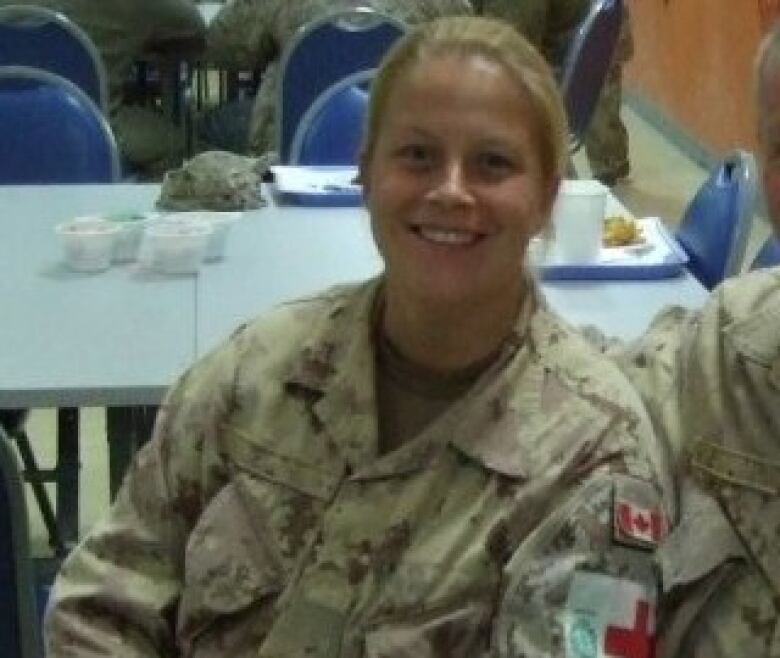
x=454 y=184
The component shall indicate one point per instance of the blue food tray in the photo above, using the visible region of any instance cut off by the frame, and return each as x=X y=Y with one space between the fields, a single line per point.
x=668 y=261
x=320 y=193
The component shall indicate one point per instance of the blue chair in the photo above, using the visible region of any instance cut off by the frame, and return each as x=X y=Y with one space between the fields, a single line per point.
x=768 y=255
x=331 y=130
x=715 y=226
x=323 y=52
x=19 y=621
x=586 y=65
x=52 y=132
x=45 y=39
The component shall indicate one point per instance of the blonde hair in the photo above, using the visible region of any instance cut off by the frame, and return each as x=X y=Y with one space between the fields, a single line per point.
x=766 y=64
x=497 y=42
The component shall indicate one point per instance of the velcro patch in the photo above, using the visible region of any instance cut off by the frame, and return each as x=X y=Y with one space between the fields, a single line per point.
x=736 y=467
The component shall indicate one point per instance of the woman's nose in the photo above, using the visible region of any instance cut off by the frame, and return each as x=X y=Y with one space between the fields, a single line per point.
x=453 y=184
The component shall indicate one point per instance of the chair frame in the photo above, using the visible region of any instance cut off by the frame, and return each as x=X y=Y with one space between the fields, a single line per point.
x=571 y=66
x=29 y=640
x=42 y=15
x=47 y=78
x=304 y=125
x=768 y=254
x=349 y=19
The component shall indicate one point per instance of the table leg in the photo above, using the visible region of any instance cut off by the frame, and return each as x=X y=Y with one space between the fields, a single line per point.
x=68 y=465
x=127 y=429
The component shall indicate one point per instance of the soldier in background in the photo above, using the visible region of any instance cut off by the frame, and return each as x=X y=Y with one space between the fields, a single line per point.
x=551 y=25
x=251 y=34
x=125 y=31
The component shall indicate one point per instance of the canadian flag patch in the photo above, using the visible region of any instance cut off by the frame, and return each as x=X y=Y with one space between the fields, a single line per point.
x=636 y=525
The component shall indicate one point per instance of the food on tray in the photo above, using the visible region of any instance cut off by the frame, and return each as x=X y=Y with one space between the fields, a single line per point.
x=621 y=231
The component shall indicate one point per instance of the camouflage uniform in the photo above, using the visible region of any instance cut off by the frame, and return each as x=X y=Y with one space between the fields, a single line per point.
x=260 y=520
x=712 y=385
x=550 y=25
x=122 y=30
x=250 y=34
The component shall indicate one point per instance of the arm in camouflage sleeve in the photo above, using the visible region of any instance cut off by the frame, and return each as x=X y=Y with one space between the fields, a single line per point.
x=117 y=593
x=241 y=36
x=170 y=19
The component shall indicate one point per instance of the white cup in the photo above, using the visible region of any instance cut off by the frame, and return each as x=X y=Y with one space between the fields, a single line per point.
x=578 y=221
x=88 y=242
x=131 y=230
x=220 y=223
x=174 y=247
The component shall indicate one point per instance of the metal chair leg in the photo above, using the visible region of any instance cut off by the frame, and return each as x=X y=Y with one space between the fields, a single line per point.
x=36 y=477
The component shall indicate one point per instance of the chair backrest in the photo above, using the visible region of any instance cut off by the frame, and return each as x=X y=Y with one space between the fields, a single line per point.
x=45 y=39
x=52 y=132
x=768 y=255
x=715 y=226
x=586 y=65
x=330 y=131
x=19 y=630
x=323 y=52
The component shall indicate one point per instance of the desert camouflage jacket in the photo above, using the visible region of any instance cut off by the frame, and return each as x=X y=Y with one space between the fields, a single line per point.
x=711 y=382
x=260 y=520
x=250 y=35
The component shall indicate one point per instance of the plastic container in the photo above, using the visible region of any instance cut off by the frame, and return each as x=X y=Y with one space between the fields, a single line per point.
x=220 y=223
x=89 y=243
x=174 y=247
x=131 y=231
x=578 y=222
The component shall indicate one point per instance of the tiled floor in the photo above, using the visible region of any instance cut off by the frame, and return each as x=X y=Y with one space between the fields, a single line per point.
x=662 y=181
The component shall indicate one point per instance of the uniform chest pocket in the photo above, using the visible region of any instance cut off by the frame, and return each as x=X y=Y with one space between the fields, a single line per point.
x=586 y=574
x=241 y=552
x=755 y=342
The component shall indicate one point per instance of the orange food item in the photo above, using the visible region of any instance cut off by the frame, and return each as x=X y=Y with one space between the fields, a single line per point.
x=621 y=232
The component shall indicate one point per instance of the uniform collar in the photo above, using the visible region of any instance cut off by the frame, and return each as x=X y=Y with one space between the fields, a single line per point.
x=530 y=407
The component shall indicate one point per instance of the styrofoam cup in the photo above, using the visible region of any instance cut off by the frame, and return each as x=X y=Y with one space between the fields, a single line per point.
x=174 y=247
x=88 y=242
x=131 y=231
x=578 y=221
x=220 y=223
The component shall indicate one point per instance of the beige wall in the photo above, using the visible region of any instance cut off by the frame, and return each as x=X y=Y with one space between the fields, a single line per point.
x=693 y=61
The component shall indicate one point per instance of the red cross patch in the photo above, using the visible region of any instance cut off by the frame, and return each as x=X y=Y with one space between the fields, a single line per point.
x=609 y=617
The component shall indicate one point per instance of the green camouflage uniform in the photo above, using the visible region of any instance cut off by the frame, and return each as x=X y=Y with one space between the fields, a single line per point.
x=550 y=25
x=122 y=30
x=250 y=34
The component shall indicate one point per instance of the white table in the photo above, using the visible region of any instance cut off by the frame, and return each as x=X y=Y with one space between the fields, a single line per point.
x=281 y=252
x=68 y=340
x=121 y=337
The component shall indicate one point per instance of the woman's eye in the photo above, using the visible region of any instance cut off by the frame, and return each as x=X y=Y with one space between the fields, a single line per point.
x=495 y=164
x=415 y=153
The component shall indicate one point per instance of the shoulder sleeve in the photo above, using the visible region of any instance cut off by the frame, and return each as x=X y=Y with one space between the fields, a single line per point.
x=118 y=591
x=715 y=374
